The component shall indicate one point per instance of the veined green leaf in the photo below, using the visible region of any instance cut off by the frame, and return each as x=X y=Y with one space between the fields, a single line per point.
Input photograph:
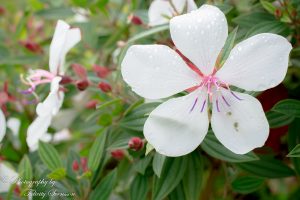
x=247 y=184
x=215 y=149
x=295 y=152
x=139 y=188
x=25 y=169
x=293 y=140
x=142 y=164
x=277 y=119
x=267 y=167
x=228 y=45
x=247 y=20
x=97 y=152
x=268 y=27
x=158 y=163
x=268 y=6
x=288 y=107
x=49 y=156
x=55 y=13
x=57 y=174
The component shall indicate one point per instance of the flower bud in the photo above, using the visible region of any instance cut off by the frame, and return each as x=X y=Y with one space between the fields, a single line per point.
x=65 y=80
x=118 y=154
x=136 y=144
x=133 y=19
x=82 y=85
x=2 y=10
x=83 y=162
x=101 y=72
x=91 y=104
x=75 y=166
x=17 y=190
x=278 y=13
x=79 y=70
x=32 y=46
x=104 y=87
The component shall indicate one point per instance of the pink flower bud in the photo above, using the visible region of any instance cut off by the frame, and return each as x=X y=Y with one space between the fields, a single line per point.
x=66 y=80
x=91 y=104
x=79 y=70
x=17 y=190
x=104 y=87
x=136 y=143
x=101 y=72
x=32 y=46
x=118 y=154
x=135 y=20
x=75 y=166
x=82 y=84
x=83 y=162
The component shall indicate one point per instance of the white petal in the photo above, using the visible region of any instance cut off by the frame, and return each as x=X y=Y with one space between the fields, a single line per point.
x=53 y=101
x=258 y=63
x=178 y=126
x=63 y=40
x=156 y=71
x=200 y=35
x=37 y=130
x=159 y=12
x=14 y=125
x=63 y=135
x=242 y=126
x=7 y=177
x=2 y=125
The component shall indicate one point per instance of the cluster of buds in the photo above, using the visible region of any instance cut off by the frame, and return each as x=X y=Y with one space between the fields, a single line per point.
x=76 y=166
x=81 y=72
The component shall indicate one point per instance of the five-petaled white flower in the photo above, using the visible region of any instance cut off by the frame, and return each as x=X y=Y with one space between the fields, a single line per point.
x=161 y=11
x=179 y=125
x=63 y=40
x=2 y=125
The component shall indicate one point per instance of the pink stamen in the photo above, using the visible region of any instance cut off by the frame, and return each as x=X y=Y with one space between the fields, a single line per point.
x=37 y=78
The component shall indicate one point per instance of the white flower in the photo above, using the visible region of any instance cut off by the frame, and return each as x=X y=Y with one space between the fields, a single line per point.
x=7 y=177
x=179 y=125
x=2 y=125
x=161 y=11
x=63 y=40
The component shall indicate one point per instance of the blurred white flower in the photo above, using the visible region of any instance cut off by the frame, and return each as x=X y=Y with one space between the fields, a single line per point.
x=161 y=11
x=63 y=40
x=179 y=125
x=7 y=177
x=2 y=125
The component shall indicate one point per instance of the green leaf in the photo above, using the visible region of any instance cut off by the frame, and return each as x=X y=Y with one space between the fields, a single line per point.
x=288 y=107
x=171 y=176
x=193 y=176
x=228 y=45
x=25 y=169
x=247 y=184
x=158 y=163
x=267 y=167
x=57 y=174
x=49 y=156
x=178 y=193
x=55 y=13
x=268 y=6
x=215 y=149
x=277 y=119
x=268 y=27
x=295 y=152
x=293 y=140
x=105 y=187
x=97 y=152
x=139 y=188
x=225 y=8
x=142 y=164
x=249 y=19
x=149 y=148
x=20 y=60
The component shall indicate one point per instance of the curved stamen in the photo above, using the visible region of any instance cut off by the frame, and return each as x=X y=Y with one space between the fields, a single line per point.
x=195 y=102
x=202 y=108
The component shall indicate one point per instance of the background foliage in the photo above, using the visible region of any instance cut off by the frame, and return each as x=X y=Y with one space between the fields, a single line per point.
x=96 y=162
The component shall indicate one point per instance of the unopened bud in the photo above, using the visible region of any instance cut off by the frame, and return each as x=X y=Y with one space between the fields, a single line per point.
x=91 y=104
x=82 y=85
x=17 y=190
x=75 y=165
x=79 y=70
x=2 y=10
x=118 y=154
x=101 y=72
x=136 y=143
x=278 y=13
x=133 y=19
x=65 y=80
x=104 y=87
x=83 y=162
x=32 y=46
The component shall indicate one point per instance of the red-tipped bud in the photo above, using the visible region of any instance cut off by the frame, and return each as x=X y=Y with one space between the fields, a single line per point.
x=136 y=144
x=278 y=13
x=101 y=72
x=118 y=154
x=104 y=87
x=82 y=85
x=83 y=162
x=75 y=166
x=66 y=80
x=17 y=190
x=91 y=104
x=2 y=10
x=32 y=46
x=79 y=70
x=133 y=19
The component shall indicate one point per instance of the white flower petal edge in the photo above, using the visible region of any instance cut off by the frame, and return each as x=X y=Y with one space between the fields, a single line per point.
x=14 y=125
x=156 y=71
x=2 y=125
x=242 y=126
x=8 y=177
x=200 y=36
x=258 y=63
x=178 y=126
x=63 y=40
x=160 y=10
